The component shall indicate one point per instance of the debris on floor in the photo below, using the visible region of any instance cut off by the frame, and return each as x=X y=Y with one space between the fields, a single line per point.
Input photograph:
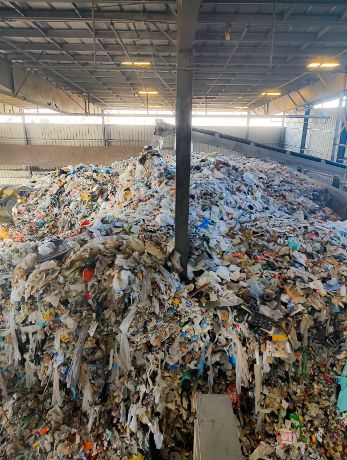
x=103 y=346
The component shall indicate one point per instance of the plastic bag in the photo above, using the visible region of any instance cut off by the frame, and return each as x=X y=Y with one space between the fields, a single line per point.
x=175 y=260
x=87 y=394
x=74 y=372
x=46 y=248
x=241 y=363
x=249 y=178
x=164 y=219
x=124 y=351
x=56 y=398
x=120 y=280
x=255 y=289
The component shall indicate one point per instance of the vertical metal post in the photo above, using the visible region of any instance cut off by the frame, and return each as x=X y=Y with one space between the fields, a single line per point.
x=183 y=146
x=336 y=182
x=304 y=131
x=94 y=37
x=342 y=143
x=104 y=140
x=247 y=126
x=337 y=128
x=187 y=18
x=282 y=135
x=25 y=131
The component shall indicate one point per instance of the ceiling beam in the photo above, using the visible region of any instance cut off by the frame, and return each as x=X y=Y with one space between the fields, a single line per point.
x=213 y=61
x=313 y=51
x=310 y=93
x=142 y=35
x=58 y=15
x=35 y=90
x=325 y=3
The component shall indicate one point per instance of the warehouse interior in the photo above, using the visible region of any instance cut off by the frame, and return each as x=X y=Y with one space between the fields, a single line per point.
x=251 y=57
x=115 y=114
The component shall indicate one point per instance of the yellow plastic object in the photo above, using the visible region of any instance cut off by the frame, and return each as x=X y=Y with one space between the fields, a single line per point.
x=7 y=191
x=4 y=235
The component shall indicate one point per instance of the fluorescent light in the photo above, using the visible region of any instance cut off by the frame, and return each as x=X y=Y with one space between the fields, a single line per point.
x=314 y=65
x=245 y=107
x=135 y=63
x=330 y=64
x=270 y=94
x=148 y=92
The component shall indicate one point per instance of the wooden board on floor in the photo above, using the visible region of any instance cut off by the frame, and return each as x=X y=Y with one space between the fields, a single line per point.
x=217 y=431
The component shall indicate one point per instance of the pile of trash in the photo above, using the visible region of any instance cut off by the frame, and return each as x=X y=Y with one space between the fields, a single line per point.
x=104 y=347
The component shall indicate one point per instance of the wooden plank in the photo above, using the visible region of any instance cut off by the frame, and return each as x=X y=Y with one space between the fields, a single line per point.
x=217 y=429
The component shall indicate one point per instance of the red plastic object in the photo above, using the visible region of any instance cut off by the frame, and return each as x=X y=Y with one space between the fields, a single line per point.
x=236 y=399
x=328 y=379
x=88 y=274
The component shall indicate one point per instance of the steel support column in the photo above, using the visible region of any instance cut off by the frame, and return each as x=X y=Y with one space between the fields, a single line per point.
x=283 y=134
x=247 y=126
x=25 y=131
x=337 y=128
x=104 y=138
x=342 y=143
x=304 y=131
x=187 y=18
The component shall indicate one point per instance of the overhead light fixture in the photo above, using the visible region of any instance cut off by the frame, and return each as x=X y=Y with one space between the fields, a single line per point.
x=330 y=64
x=136 y=63
x=327 y=65
x=270 y=94
x=148 y=92
x=245 y=107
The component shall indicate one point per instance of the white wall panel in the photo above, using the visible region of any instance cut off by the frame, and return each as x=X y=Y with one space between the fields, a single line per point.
x=320 y=133
x=11 y=133
x=319 y=137
x=292 y=138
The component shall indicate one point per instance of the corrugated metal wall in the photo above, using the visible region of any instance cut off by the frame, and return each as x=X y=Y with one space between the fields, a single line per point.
x=293 y=132
x=73 y=134
x=319 y=139
x=320 y=133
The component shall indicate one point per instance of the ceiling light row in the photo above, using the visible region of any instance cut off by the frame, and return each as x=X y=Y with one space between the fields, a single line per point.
x=326 y=65
x=138 y=63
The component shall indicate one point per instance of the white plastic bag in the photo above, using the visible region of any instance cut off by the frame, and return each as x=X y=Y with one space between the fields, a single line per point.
x=124 y=342
x=241 y=364
x=56 y=398
x=46 y=248
x=120 y=280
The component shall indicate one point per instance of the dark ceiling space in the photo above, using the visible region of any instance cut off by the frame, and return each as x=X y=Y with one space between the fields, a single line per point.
x=80 y=47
